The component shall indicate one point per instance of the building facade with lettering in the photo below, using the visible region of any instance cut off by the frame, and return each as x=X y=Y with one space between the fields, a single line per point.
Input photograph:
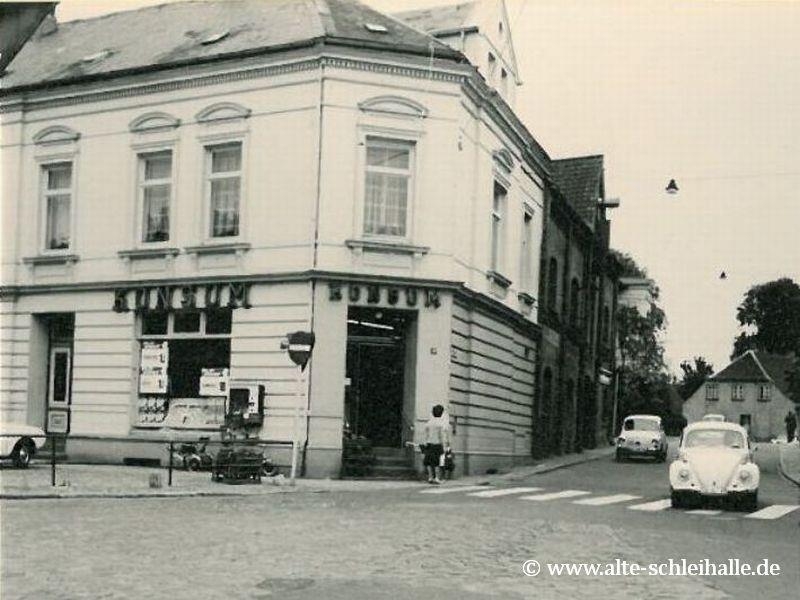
x=186 y=184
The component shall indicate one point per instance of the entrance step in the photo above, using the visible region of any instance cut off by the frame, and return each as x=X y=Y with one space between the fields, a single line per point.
x=393 y=463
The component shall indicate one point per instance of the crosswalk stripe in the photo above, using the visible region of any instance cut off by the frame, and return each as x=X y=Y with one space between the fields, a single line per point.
x=652 y=506
x=604 y=500
x=504 y=492
x=556 y=495
x=452 y=490
x=776 y=511
x=701 y=511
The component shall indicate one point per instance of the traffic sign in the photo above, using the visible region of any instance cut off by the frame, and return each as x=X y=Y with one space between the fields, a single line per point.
x=299 y=344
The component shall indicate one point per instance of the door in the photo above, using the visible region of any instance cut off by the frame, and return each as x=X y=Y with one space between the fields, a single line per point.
x=59 y=389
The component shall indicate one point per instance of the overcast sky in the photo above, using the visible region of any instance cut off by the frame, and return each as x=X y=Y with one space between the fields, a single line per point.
x=707 y=93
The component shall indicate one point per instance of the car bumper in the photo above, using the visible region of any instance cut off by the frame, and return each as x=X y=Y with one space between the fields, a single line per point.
x=640 y=451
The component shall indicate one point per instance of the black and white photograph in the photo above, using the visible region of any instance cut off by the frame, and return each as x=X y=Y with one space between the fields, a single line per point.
x=399 y=299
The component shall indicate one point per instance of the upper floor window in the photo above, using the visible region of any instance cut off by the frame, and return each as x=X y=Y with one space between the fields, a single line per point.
x=712 y=391
x=57 y=205
x=552 y=284
x=224 y=189
x=574 y=301
x=737 y=391
x=498 y=226
x=387 y=187
x=526 y=252
x=764 y=392
x=155 y=193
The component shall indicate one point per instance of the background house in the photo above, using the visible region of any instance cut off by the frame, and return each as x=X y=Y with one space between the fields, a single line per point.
x=752 y=391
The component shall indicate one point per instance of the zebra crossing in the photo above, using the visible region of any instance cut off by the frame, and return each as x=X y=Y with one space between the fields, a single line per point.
x=587 y=498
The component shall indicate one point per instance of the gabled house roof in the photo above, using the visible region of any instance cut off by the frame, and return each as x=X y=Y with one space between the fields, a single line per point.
x=758 y=367
x=182 y=33
x=580 y=179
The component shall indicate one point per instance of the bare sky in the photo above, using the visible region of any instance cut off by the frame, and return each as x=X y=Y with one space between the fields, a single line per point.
x=706 y=92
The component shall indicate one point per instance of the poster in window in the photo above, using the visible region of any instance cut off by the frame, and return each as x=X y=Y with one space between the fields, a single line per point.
x=196 y=413
x=154 y=355
x=214 y=382
x=153 y=381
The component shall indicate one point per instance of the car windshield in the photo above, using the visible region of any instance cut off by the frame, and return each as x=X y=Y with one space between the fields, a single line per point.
x=641 y=425
x=714 y=438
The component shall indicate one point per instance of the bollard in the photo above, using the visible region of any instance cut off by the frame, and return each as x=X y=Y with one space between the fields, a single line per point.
x=53 y=461
x=171 y=448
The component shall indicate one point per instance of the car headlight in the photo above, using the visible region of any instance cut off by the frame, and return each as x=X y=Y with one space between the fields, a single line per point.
x=684 y=474
x=744 y=475
x=654 y=442
x=620 y=440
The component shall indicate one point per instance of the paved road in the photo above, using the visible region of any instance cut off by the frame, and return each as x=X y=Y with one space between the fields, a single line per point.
x=396 y=544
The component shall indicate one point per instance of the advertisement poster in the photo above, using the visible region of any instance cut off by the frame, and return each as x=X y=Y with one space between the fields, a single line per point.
x=154 y=360
x=214 y=382
x=196 y=413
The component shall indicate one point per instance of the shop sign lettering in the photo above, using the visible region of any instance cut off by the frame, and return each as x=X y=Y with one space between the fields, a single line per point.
x=392 y=295
x=172 y=297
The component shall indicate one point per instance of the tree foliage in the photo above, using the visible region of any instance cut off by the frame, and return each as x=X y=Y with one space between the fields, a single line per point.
x=770 y=315
x=694 y=374
x=628 y=264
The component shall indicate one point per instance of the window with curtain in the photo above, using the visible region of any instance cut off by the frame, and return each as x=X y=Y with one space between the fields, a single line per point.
x=155 y=193
x=58 y=205
x=387 y=187
x=498 y=227
x=224 y=189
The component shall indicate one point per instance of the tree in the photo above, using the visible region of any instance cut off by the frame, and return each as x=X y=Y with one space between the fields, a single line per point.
x=628 y=266
x=770 y=315
x=642 y=371
x=694 y=375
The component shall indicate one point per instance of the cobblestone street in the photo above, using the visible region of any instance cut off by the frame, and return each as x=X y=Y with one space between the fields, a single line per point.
x=332 y=545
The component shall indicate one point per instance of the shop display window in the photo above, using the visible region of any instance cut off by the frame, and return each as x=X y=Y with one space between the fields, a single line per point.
x=187 y=322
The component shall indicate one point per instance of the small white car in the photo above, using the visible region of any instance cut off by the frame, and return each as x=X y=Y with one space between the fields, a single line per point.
x=642 y=435
x=20 y=442
x=714 y=418
x=714 y=461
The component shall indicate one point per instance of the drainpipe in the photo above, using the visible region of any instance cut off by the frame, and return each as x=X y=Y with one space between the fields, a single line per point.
x=315 y=254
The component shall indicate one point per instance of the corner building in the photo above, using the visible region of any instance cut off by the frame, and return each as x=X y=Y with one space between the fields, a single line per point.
x=185 y=184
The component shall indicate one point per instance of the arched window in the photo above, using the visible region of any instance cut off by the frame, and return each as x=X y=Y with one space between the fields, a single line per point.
x=552 y=284
x=574 y=301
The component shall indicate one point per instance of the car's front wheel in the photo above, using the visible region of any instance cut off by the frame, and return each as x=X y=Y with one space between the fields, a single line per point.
x=22 y=454
x=749 y=501
x=618 y=456
x=677 y=499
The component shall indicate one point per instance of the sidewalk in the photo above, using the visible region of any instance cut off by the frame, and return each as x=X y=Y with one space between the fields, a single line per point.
x=117 y=481
x=790 y=461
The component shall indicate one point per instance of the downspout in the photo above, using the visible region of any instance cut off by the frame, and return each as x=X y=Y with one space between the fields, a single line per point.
x=315 y=254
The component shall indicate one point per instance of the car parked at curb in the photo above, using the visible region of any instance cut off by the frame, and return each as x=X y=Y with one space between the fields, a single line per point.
x=642 y=435
x=20 y=442
x=714 y=461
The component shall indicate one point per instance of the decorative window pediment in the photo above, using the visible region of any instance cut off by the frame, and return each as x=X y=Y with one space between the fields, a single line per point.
x=153 y=121
x=394 y=105
x=56 y=134
x=222 y=111
x=504 y=159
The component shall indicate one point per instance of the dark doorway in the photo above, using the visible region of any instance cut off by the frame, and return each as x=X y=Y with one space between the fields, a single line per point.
x=375 y=371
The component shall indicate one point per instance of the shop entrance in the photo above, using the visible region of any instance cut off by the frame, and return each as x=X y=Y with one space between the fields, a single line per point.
x=377 y=340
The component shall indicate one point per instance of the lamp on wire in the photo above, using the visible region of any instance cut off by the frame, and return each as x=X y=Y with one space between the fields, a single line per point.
x=672 y=187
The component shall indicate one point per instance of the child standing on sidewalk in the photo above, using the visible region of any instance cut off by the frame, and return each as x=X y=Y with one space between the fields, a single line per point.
x=437 y=439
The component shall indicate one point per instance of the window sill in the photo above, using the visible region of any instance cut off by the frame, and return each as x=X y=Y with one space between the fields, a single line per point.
x=51 y=259
x=135 y=253
x=526 y=298
x=386 y=246
x=497 y=278
x=217 y=248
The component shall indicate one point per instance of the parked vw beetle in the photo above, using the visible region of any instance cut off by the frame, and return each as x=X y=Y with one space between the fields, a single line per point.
x=714 y=461
x=20 y=442
x=642 y=435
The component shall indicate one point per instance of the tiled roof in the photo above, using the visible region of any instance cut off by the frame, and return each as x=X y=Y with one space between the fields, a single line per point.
x=758 y=367
x=437 y=19
x=778 y=368
x=173 y=34
x=580 y=180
